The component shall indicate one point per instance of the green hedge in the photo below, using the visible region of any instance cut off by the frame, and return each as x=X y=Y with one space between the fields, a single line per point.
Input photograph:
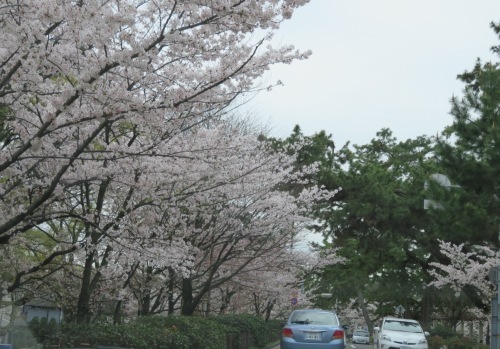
x=442 y=336
x=438 y=342
x=173 y=332
x=242 y=323
x=130 y=335
x=443 y=331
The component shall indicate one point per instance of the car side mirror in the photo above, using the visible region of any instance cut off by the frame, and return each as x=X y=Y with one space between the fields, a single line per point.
x=426 y=333
x=376 y=328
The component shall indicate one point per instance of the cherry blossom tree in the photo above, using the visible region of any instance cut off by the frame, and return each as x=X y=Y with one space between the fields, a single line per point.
x=83 y=82
x=467 y=219
x=466 y=268
x=107 y=120
x=353 y=315
x=265 y=288
x=463 y=281
x=204 y=220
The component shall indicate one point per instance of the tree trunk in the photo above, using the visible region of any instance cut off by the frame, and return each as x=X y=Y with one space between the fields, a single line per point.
x=269 y=308
x=256 y=304
x=188 y=304
x=226 y=300
x=83 y=313
x=366 y=316
x=146 y=302
x=171 y=284
x=427 y=306
x=144 y=296
x=117 y=316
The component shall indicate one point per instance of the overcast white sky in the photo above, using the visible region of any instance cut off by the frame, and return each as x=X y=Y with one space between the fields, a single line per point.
x=376 y=64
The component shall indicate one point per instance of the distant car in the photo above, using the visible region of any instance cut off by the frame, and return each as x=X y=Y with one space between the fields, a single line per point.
x=396 y=333
x=361 y=336
x=313 y=329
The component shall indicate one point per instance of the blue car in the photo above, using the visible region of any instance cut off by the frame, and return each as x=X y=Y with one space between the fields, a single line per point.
x=313 y=329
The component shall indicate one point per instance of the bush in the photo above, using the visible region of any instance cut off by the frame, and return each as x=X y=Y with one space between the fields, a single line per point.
x=201 y=332
x=274 y=328
x=172 y=332
x=462 y=343
x=243 y=323
x=154 y=333
x=435 y=342
x=443 y=331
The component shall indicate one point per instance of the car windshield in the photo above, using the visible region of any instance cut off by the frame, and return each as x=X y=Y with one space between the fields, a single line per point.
x=396 y=325
x=310 y=317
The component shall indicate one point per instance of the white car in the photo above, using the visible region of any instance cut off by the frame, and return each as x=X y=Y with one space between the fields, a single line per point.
x=396 y=333
x=361 y=336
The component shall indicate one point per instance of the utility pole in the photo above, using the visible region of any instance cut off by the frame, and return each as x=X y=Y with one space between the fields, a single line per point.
x=495 y=300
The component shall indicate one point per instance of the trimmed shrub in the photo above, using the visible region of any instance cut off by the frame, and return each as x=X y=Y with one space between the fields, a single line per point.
x=155 y=333
x=201 y=332
x=160 y=332
x=461 y=343
x=450 y=339
x=274 y=328
x=256 y=327
x=435 y=342
x=443 y=331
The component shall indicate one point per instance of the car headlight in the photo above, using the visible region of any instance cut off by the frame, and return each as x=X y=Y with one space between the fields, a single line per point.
x=385 y=337
x=422 y=341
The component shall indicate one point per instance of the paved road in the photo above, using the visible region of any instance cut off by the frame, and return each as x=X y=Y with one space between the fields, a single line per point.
x=359 y=346
x=349 y=346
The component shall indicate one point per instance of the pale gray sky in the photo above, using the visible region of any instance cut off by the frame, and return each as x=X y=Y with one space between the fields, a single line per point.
x=376 y=64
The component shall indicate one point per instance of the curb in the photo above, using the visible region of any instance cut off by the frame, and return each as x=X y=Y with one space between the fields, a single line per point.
x=275 y=345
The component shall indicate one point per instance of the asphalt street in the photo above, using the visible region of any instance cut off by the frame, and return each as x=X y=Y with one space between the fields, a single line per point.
x=349 y=346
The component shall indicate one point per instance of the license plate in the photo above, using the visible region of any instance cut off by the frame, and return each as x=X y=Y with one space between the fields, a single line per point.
x=404 y=347
x=313 y=336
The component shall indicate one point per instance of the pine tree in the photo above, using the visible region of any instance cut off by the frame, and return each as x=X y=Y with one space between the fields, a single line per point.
x=470 y=156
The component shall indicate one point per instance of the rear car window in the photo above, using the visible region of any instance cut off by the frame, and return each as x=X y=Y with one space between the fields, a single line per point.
x=311 y=317
x=361 y=333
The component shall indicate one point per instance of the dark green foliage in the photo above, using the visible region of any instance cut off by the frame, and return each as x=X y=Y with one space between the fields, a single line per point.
x=46 y=332
x=158 y=333
x=443 y=331
x=435 y=342
x=445 y=336
x=464 y=343
x=470 y=155
x=380 y=224
x=316 y=149
x=244 y=323
x=174 y=332
x=201 y=332
x=456 y=342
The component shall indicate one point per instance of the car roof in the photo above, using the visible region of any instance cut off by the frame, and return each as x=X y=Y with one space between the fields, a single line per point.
x=399 y=319
x=314 y=310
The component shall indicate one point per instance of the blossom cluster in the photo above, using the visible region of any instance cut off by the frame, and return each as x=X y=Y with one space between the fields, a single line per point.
x=120 y=159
